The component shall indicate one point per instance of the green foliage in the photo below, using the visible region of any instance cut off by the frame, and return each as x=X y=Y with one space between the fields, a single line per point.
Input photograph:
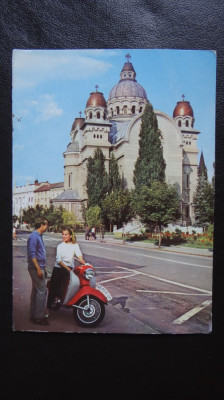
x=31 y=214
x=93 y=216
x=69 y=219
x=115 y=181
x=158 y=205
x=150 y=165
x=204 y=202
x=97 y=179
x=117 y=207
x=54 y=216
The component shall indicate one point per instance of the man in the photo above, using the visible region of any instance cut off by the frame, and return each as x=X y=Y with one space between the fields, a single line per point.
x=36 y=255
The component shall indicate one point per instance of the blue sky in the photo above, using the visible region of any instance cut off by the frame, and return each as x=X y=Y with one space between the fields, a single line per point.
x=51 y=87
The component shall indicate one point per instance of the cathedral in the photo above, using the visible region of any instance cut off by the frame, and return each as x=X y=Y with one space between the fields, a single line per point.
x=114 y=126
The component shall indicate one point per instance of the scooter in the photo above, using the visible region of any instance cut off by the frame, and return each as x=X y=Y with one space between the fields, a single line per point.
x=85 y=298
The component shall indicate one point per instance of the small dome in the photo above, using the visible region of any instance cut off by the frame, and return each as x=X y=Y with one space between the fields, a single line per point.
x=77 y=123
x=182 y=109
x=128 y=67
x=96 y=99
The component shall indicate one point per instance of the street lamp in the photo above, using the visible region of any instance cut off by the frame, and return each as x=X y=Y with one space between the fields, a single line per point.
x=123 y=224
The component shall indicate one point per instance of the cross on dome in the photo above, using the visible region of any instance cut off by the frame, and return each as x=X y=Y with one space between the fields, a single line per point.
x=80 y=114
x=183 y=96
x=97 y=87
x=128 y=57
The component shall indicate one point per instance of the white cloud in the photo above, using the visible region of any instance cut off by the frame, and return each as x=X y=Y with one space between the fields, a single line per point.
x=32 y=67
x=45 y=108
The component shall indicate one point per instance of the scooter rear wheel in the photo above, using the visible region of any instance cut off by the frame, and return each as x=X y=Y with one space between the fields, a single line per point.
x=89 y=316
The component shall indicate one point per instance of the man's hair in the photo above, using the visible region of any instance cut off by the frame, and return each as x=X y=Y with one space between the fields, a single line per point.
x=40 y=221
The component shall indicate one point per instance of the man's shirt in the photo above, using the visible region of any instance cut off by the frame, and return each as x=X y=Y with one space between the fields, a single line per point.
x=36 y=249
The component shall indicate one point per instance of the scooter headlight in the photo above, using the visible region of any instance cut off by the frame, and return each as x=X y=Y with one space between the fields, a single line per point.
x=89 y=273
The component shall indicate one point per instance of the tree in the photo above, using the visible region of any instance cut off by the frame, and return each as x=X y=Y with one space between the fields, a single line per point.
x=97 y=179
x=150 y=165
x=93 y=216
x=55 y=218
x=158 y=205
x=69 y=219
x=115 y=181
x=204 y=201
x=117 y=207
x=32 y=213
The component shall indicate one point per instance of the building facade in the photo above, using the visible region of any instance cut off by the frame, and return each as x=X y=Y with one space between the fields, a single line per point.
x=30 y=195
x=114 y=126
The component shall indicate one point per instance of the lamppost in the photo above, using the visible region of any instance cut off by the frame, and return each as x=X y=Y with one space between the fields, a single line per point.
x=123 y=235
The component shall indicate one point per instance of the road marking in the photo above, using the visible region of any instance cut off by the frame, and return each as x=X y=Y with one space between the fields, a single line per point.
x=166 y=292
x=167 y=280
x=114 y=279
x=185 y=317
x=165 y=259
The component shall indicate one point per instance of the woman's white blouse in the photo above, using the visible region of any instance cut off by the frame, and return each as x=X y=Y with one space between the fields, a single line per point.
x=66 y=253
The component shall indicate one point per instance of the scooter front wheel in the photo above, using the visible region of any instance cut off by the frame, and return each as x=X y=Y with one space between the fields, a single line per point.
x=89 y=315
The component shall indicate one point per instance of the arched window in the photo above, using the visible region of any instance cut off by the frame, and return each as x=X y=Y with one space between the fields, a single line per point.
x=118 y=110
x=98 y=115
x=125 y=109
x=187 y=123
x=133 y=109
x=112 y=113
x=90 y=115
x=140 y=109
x=179 y=123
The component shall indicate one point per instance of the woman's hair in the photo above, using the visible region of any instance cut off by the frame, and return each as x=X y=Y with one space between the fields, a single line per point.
x=73 y=238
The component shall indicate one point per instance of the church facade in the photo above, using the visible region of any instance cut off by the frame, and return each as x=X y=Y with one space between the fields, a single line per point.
x=114 y=126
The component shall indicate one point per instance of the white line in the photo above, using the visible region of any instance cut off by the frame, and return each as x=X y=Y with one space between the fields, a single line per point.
x=192 y=312
x=167 y=280
x=111 y=272
x=114 y=279
x=166 y=292
x=165 y=259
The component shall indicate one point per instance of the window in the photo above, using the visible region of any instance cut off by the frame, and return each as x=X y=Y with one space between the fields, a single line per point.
x=187 y=181
x=118 y=110
x=179 y=123
x=90 y=115
x=69 y=180
x=133 y=109
x=125 y=109
x=140 y=109
x=98 y=115
x=187 y=123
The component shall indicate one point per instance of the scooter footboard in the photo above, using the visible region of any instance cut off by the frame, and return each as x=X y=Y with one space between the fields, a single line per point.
x=84 y=291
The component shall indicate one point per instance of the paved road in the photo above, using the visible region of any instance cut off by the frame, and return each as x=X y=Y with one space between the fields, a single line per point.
x=153 y=291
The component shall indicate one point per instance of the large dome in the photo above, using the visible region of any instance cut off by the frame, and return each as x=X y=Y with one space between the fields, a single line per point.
x=183 y=109
x=127 y=88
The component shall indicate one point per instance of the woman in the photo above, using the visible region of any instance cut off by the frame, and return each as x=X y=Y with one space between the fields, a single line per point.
x=66 y=251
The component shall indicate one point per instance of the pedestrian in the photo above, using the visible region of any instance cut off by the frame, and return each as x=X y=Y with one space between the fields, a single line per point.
x=93 y=232
x=14 y=233
x=36 y=255
x=87 y=233
x=66 y=252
